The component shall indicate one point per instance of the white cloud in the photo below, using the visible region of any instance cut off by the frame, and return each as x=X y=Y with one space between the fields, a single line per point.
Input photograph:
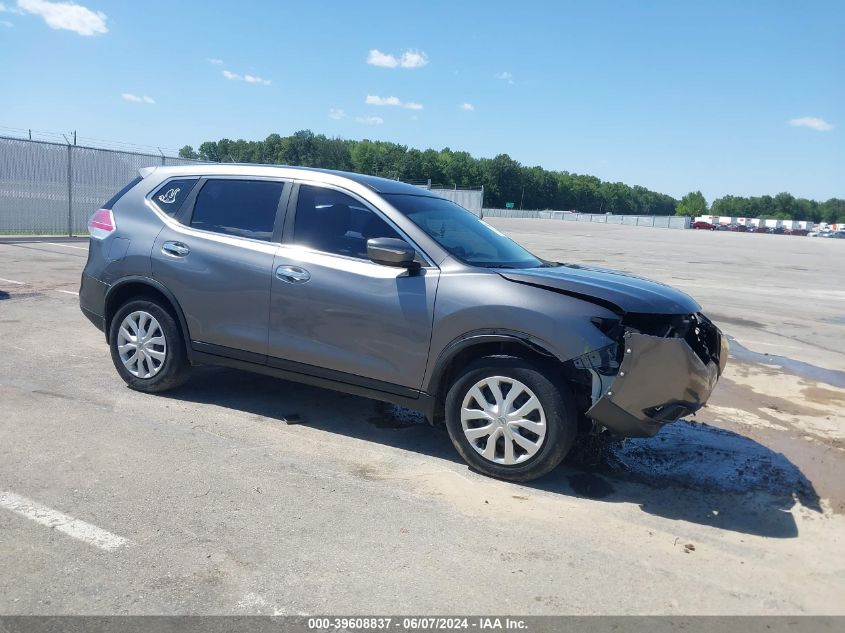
x=467 y=106
x=382 y=101
x=408 y=59
x=214 y=60
x=812 y=122
x=128 y=96
x=67 y=16
x=392 y=101
x=6 y=23
x=250 y=79
x=505 y=76
x=370 y=120
x=337 y=114
x=413 y=59
x=253 y=79
x=377 y=58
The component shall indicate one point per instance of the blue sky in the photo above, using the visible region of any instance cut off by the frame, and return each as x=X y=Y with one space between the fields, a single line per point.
x=674 y=96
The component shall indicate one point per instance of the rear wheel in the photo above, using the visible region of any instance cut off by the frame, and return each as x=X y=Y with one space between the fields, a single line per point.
x=508 y=420
x=147 y=347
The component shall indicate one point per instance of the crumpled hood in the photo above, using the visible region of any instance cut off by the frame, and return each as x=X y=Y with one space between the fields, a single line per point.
x=630 y=293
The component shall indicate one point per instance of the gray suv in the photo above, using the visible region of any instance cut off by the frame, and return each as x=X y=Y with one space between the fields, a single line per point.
x=382 y=289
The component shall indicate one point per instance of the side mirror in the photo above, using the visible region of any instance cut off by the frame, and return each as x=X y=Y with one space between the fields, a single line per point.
x=389 y=251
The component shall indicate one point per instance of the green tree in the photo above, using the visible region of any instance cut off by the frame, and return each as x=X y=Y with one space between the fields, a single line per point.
x=832 y=211
x=209 y=151
x=504 y=179
x=188 y=152
x=693 y=204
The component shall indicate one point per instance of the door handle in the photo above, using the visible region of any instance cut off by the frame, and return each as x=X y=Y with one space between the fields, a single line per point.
x=292 y=274
x=175 y=249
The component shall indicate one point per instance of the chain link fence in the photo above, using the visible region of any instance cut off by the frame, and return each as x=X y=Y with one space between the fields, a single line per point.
x=654 y=221
x=52 y=189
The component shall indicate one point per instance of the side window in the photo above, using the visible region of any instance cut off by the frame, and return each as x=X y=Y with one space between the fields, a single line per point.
x=245 y=208
x=333 y=222
x=170 y=196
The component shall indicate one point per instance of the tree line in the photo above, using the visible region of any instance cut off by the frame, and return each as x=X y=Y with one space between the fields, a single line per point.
x=504 y=179
x=783 y=206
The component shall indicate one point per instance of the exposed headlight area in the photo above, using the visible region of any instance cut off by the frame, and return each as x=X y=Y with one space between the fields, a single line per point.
x=659 y=368
x=697 y=330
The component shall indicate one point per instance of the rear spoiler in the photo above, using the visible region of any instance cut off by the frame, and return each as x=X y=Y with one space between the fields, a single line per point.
x=146 y=171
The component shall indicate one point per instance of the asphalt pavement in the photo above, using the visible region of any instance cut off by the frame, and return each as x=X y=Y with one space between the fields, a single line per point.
x=204 y=501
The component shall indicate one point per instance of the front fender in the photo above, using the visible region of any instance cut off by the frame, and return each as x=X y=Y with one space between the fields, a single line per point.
x=481 y=337
x=472 y=304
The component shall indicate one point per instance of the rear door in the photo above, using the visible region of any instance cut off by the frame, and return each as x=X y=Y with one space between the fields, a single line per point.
x=217 y=259
x=336 y=314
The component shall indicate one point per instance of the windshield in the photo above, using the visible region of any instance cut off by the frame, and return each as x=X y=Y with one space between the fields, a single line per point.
x=462 y=233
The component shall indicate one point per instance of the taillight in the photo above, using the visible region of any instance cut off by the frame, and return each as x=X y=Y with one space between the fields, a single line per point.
x=101 y=224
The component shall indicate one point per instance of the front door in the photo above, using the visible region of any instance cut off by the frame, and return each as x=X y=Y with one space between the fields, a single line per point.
x=332 y=308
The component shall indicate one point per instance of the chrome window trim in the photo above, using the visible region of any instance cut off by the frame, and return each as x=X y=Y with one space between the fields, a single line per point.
x=232 y=240
x=365 y=260
x=223 y=238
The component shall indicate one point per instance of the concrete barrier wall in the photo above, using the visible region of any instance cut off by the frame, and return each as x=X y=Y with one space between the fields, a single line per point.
x=469 y=199
x=655 y=221
x=513 y=213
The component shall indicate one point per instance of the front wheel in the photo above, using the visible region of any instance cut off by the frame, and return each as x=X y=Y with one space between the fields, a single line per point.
x=508 y=420
x=147 y=347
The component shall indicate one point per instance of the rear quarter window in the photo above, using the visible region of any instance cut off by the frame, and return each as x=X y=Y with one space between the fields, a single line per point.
x=170 y=196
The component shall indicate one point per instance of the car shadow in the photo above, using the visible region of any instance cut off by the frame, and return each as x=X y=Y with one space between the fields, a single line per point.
x=699 y=473
x=690 y=471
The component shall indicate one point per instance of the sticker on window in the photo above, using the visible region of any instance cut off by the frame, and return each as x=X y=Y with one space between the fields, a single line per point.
x=170 y=196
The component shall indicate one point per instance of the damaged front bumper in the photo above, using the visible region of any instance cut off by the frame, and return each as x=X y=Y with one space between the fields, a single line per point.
x=658 y=380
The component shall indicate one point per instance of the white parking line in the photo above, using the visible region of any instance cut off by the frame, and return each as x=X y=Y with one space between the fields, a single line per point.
x=80 y=530
x=12 y=281
x=79 y=248
x=69 y=292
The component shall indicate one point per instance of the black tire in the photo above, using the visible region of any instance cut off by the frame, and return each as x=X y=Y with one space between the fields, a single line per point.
x=175 y=370
x=558 y=405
